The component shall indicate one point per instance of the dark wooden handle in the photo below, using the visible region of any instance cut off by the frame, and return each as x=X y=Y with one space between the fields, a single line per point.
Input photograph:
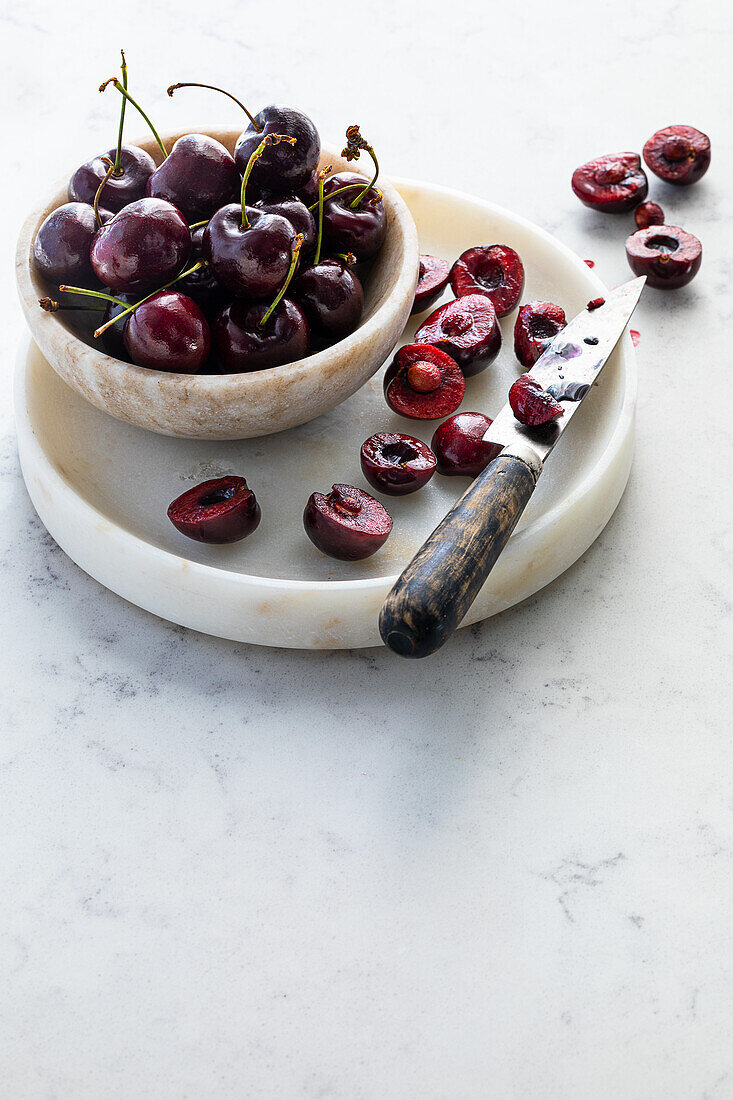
x=443 y=579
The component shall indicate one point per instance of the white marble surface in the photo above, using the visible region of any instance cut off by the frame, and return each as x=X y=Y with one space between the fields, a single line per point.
x=506 y=873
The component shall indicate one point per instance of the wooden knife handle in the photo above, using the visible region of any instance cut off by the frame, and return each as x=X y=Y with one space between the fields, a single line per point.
x=441 y=582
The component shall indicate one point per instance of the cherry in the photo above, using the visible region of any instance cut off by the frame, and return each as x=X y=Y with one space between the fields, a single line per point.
x=467 y=330
x=678 y=154
x=218 y=511
x=494 y=270
x=667 y=255
x=396 y=464
x=614 y=183
x=61 y=247
x=537 y=324
x=433 y=275
x=459 y=447
x=143 y=246
x=201 y=285
x=423 y=383
x=198 y=176
x=308 y=193
x=648 y=213
x=360 y=230
x=347 y=524
x=331 y=297
x=299 y=216
x=168 y=332
x=531 y=403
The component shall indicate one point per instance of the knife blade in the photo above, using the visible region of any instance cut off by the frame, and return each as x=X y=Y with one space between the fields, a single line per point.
x=434 y=592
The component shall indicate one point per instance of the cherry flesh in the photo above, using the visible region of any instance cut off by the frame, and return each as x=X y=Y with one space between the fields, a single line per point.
x=299 y=216
x=531 y=403
x=396 y=464
x=144 y=246
x=494 y=270
x=218 y=511
x=423 y=382
x=123 y=187
x=678 y=154
x=467 y=330
x=358 y=229
x=667 y=255
x=432 y=280
x=614 y=183
x=282 y=169
x=332 y=298
x=198 y=176
x=348 y=523
x=62 y=244
x=253 y=259
x=537 y=324
x=648 y=213
x=168 y=332
x=459 y=447
x=243 y=344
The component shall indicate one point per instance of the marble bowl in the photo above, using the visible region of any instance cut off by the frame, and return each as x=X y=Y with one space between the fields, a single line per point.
x=230 y=406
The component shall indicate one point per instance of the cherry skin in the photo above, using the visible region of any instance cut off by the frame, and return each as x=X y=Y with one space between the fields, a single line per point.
x=308 y=193
x=136 y=168
x=144 y=246
x=432 y=279
x=459 y=447
x=62 y=244
x=282 y=169
x=467 y=330
x=201 y=285
x=295 y=212
x=168 y=332
x=348 y=524
x=113 y=338
x=243 y=344
x=678 y=154
x=537 y=324
x=648 y=213
x=361 y=229
x=251 y=260
x=667 y=255
x=614 y=183
x=532 y=404
x=494 y=270
x=396 y=464
x=218 y=511
x=198 y=176
x=423 y=383
x=332 y=298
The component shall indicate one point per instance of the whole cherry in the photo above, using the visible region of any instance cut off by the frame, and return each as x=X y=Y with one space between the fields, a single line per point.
x=614 y=183
x=537 y=324
x=348 y=523
x=648 y=213
x=423 y=382
x=126 y=184
x=198 y=176
x=467 y=329
x=299 y=216
x=494 y=270
x=459 y=447
x=357 y=229
x=62 y=244
x=432 y=279
x=218 y=511
x=532 y=404
x=168 y=332
x=667 y=255
x=142 y=247
x=201 y=284
x=678 y=154
x=396 y=464
x=331 y=297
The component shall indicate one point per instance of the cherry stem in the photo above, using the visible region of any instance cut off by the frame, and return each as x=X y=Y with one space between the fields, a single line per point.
x=354 y=145
x=131 y=309
x=281 y=293
x=348 y=257
x=124 y=92
x=213 y=88
x=118 y=155
x=346 y=187
x=100 y=189
x=92 y=294
x=269 y=139
x=197 y=225
x=50 y=305
x=319 y=240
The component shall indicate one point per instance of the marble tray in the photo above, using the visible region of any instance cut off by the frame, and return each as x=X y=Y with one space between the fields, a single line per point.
x=102 y=487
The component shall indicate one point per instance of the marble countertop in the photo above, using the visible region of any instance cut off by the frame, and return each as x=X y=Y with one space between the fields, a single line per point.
x=507 y=872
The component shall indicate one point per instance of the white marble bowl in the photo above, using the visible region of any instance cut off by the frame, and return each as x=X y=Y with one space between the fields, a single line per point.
x=230 y=406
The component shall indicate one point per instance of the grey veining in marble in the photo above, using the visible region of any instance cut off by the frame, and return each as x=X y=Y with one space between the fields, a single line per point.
x=506 y=873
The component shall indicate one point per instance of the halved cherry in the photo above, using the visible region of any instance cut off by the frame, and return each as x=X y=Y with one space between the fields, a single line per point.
x=396 y=464
x=531 y=403
x=614 y=183
x=432 y=280
x=494 y=270
x=423 y=383
x=537 y=324
x=667 y=255
x=678 y=154
x=466 y=329
x=459 y=445
x=221 y=510
x=348 y=523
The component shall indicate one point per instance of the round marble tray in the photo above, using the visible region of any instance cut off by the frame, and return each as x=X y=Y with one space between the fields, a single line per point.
x=102 y=487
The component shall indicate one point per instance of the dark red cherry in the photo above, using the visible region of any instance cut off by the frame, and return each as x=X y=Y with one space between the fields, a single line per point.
x=198 y=176
x=423 y=383
x=168 y=332
x=537 y=324
x=122 y=188
x=218 y=511
x=433 y=275
x=531 y=403
x=62 y=244
x=308 y=193
x=459 y=447
x=678 y=154
x=347 y=524
x=467 y=330
x=358 y=229
x=113 y=339
x=648 y=213
x=396 y=464
x=494 y=270
x=282 y=169
x=144 y=246
x=201 y=285
x=243 y=344
x=614 y=183
x=295 y=212
x=331 y=296
x=250 y=260
x=667 y=255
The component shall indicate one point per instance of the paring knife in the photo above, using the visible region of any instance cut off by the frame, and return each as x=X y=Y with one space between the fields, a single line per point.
x=441 y=582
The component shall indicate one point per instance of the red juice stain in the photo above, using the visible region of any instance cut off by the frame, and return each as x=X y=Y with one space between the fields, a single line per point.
x=590 y=263
x=635 y=337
